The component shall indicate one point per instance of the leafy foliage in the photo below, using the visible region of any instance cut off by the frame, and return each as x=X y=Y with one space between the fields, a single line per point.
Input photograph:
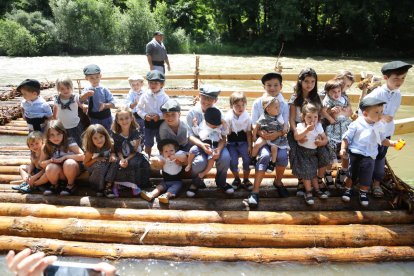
x=16 y=40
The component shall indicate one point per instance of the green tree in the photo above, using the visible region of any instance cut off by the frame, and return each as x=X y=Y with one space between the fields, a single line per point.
x=16 y=40
x=85 y=26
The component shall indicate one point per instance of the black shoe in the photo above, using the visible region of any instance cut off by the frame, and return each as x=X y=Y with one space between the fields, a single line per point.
x=253 y=200
x=363 y=198
x=252 y=164
x=329 y=180
x=228 y=189
x=309 y=199
x=340 y=178
x=301 y=189
x=26 y=189
x=282 y=191
x=270 y=167
x=236 y=183
x=347 y=195
x=246 y=184
x=202 y=185
x=18 y=187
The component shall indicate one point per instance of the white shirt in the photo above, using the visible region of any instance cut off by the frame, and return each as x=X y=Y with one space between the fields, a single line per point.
x=170 y=166
x=69 y=116
x=257 y=108
x=310 y=136
x=151 y=103
x=134 y=96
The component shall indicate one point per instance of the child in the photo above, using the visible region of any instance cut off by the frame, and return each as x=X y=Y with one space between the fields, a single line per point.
x=306 y=165
x=394 y=74
x=347 y=79
x=306 y=92
x=270 y=121
x=208 y=97
x=210 y=131
x=33 y=175
x=239 y=139
x=100 y=99
x=132 y=169
x=173 y=127
x=98 y=157
x=36 y=111
x=65 y=109
x=338 y=105
x=135 y=82
x=361 y=141
x=172 y=183
x=60 y=158
x=149 y=108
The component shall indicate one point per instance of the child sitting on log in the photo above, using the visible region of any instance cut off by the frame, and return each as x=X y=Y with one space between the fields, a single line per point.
x=60 y=157
x=239 y=139
x=66 y=107
x=340 y=108
x=132 y=168
x=171 y=159
x=36 y=111
x=211 y=132
x=361 y=142
x=33 y=175
x=98 y=157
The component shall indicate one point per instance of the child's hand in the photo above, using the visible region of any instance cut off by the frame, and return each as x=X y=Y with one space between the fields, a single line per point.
x=155 y=117
x=343 y=153
x=215 y=154
x=207 y=149
x=336 y=109
x=123 y=163
x=148 y=117
x=318 y=141
x=285 y=130
x=112 y=158
x=387 y=118
x=102 y=106
x=89 y=93
x=30 y=180
x=101 y=159
x=84 y=108
x=310 y=127
x=58 y=160
x=195 y=122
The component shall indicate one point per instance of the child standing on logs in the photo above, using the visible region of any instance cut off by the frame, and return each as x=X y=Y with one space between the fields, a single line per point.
x=98 y=157
x=60 y=157
x=135 y=82
x=394 y=74
x=33 y=175
x=340 y=108
x=306 y=92
x=132 y=168
x=65 y=109
x=271 y=121
x=211 y=132
x=100 y=99
x=171 y=159
x=272 y=84
x=361 y=142
x=36 y=111
x=309 y=135
x=239 y=139
x=149 y=108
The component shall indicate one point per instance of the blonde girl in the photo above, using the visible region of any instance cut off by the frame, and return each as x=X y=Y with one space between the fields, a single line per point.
x=60 y=158
x=32 y=175
x=98 y=157
x=306 y=165
x=131 y=169
x=65 y=109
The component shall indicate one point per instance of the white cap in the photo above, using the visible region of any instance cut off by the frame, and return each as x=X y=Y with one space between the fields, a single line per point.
x=136 y=78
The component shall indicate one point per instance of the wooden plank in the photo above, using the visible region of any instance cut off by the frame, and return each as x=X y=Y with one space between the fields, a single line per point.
x=404 y=126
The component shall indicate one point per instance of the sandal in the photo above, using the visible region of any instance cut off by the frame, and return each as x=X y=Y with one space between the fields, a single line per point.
x=322 y=187
x=301 y=189
x=68 y=190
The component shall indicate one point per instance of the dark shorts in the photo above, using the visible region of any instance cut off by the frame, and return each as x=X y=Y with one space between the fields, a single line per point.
x=361 y=169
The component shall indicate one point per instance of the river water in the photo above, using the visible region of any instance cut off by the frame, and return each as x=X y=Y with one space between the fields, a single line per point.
x=14 y=70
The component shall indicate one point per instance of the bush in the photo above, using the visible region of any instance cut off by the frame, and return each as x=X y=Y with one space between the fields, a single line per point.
x=177 y=42
x=16 y=40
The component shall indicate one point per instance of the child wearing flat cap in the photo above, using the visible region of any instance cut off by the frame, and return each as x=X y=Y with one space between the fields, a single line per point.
x=361 y=142
x=100 y=99
x=211 y=131
x=394 y=74
x=208 y=97
x=35 y=109
x=149 y=108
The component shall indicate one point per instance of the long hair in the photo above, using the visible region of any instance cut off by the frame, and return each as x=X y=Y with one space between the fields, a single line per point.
x=87 y=138
x=116 y=128
x=49 y=147
x=313 y=94
x=33 y=136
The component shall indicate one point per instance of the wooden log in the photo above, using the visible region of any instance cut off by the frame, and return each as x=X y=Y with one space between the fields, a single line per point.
x=14 y=161
x=404 y=126
x=193 y=253
x=13 y=132
x=9 y=170
x=209 y=204
x=6 y=178
x=209 y=234
x=227 y=217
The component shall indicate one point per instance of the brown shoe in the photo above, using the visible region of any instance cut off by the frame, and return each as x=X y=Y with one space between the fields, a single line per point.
x=164 y=198
x=147 y=195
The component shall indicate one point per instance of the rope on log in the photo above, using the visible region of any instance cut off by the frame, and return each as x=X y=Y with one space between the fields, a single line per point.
x=200 y=216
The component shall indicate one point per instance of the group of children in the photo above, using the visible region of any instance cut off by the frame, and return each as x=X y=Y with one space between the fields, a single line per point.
x=311 y=131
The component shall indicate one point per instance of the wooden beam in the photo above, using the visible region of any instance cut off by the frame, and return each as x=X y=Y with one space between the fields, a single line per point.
x=404 y=126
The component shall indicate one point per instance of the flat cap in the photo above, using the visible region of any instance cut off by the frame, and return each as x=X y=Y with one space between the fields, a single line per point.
x=136 y=78
x=213 y=116
x=155 y=75
x=369 y=101
x=29 y=83
x=158 y=33
x=171 y=106
x=272 y=75
x=394 y=66
x=210 y=91
x=91 y=69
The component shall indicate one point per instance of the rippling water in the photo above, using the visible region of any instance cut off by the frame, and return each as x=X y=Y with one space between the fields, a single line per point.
x=14 y=70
